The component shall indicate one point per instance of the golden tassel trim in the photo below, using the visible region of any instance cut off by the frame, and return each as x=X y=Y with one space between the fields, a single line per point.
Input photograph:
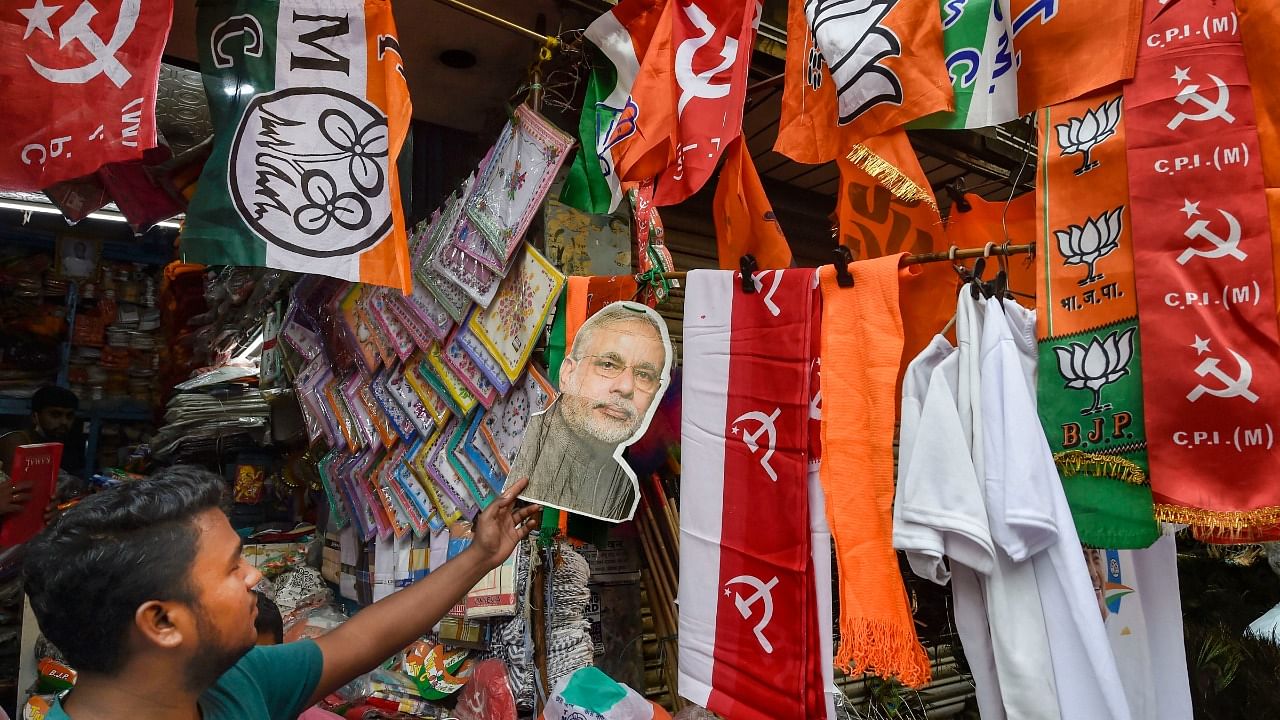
x=888 y=175
x=1075 y=462
x=1223 y=524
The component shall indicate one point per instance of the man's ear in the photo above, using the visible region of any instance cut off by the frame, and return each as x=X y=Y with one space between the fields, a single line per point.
x=567 y=367
x=162 y=623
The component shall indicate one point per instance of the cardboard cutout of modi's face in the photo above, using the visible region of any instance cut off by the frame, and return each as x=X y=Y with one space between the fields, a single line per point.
x=610 y=384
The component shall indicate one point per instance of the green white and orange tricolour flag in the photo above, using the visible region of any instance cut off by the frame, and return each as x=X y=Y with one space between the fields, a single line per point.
x=622 y=37
x=310 y=109
x=977 y=37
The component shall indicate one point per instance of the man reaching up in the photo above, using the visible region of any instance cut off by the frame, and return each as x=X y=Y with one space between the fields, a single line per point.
x=144 y=590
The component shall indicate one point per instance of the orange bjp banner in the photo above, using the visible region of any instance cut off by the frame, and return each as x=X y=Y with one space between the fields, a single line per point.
x=807 y=129
x=1064 y=49
x=884 y=60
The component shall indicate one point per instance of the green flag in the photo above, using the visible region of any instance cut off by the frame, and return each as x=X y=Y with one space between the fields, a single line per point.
x=977 y=38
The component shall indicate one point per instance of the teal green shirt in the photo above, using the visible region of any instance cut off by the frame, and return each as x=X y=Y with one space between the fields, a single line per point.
x=269 y=683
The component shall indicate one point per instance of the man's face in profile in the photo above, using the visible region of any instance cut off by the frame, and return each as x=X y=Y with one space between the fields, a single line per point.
x=611 y=380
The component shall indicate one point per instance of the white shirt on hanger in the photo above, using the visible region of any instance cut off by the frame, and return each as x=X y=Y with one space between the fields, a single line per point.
x=1030 y=518
x=939 y=508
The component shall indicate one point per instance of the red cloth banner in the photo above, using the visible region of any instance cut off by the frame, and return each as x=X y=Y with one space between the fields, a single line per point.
x=748 y=615
x=689 y=95
x=1202 y=247
x=78 y=86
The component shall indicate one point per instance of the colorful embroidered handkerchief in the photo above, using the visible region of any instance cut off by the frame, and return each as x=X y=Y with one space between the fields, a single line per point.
x=483 y=359
x=450 y=296
x=402 y=341
x=466 y=469
x=404 y=396
x=482 y=454
x=458 y=390
x=505 y=423
x=468 y=372
x=447 y=479
x=510 y=324
x=397 y=417
x=477 y=279
x=358 y=330
x=520 y=171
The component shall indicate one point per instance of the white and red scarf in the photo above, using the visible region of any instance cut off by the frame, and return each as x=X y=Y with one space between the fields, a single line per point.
x=750 y=646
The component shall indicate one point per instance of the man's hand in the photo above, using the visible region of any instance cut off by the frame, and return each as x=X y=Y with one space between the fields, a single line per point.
x=387 y=626
x=13 y=497
x=499 y=529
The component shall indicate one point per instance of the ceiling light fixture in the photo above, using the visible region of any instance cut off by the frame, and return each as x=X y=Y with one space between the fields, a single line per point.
x=26 y=206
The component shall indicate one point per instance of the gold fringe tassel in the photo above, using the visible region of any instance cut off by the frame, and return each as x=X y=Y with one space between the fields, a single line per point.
x=1075 y=462
x=1221 y=525
x=884 y=650
x=888 y=175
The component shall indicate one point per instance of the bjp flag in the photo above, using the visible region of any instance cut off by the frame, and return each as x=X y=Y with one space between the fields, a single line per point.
x=745 y=222
x=1064 y=50
x=885 y=61
x=622 y=37
x=310 y=109
x=807 y=128
x=875 y=221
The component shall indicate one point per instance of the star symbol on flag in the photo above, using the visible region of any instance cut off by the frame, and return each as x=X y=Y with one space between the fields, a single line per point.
x=1190 y=208
x=728 y=592
x=1201 y=345
x=1181 y=74
x=736 y=429
x=38 y=18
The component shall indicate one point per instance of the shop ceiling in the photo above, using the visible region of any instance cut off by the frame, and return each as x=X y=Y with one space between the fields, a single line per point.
x=436 y=38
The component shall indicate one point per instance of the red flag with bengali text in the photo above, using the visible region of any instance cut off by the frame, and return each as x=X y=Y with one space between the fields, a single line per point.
x=78 y=86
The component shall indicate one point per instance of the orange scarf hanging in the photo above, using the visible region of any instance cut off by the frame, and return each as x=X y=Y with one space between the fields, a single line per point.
x=862 y=338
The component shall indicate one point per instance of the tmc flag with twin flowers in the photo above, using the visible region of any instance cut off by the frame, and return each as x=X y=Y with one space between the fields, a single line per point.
x=310 y=108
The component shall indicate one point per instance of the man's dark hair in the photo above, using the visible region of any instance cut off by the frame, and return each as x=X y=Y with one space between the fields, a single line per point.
x=269 y=620
x=89 y=572
x=54 y=396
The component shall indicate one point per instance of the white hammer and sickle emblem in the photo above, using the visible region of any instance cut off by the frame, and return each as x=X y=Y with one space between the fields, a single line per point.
x=763 y=593
x=1232 y=386
x=1221 y=247
x=773 y=288
x=104 y=52
x=751 y=439
x=699 y=84
x=1210 y=109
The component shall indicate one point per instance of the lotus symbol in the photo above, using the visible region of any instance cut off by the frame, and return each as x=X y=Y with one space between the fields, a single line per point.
x=1086 y=244
x=1083 y=134
x=1096 y=365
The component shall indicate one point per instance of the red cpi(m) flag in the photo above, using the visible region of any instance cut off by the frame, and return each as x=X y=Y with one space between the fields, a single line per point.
x=689 y=95
x=78 y=85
